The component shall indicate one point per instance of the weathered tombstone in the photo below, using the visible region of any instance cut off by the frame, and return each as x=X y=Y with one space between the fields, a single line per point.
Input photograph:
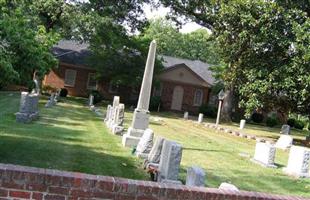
x=285 y=129
x=186 y=115
x=28 y=109
x=155 y=153
x=113 y=112
x=91 y=100
x=200 y=118
x=195 y=177
x=284 y=142
x=242 y=124
x=107 y=115
x=140 y=120
x=170 y=160
x=51 y=101
x=265 y=154
x=117 y=123
x=145 y=144
x=228 y=186
x=298 y=162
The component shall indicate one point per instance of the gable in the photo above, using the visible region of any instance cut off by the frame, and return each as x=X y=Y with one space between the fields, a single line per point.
x=182 y=74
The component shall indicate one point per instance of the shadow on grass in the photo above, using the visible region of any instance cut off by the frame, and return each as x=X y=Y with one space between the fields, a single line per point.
x=207 y=150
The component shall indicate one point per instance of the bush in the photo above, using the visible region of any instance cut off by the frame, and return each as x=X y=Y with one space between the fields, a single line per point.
x=257 y=118
x=154 y=103
x=271 y=121
x=291 y=122
x=208 y=110
x=299 y=124
x=63 y=92
x=97 y=96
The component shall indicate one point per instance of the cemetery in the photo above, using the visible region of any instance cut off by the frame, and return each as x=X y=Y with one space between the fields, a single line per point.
x=117 y=100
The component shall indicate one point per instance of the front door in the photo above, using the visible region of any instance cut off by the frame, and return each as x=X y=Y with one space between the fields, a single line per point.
x=177 y=98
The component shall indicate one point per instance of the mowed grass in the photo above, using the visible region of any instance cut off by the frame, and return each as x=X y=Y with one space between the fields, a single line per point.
x=219 y=155
x=67 y=137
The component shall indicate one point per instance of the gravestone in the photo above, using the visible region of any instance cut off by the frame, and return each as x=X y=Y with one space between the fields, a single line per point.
x=242 y=124
x=91 y=100
x=200 y=118
x=145 y=144
x=107 y=115
x=185 y=115
x=28 y=110
x=117 y=124
x=298 y=162
x=51 y=101
x=265 y=154
x=170 y=160
x=195 y=177
x=284 y=142
x=285 y=129
x=140 y=121
x=154 y=156
x=113 y=112
x=228 y=186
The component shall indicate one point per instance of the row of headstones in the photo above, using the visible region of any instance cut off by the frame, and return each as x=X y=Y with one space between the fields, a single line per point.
x=298 y=161
x=115 y=115
x=162 y=161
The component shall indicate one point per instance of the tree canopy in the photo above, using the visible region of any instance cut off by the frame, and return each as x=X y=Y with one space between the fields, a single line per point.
x=265 y=45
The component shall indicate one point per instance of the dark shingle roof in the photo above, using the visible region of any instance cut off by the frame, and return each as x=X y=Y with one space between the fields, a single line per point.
x=72 y=52
x=197 y=66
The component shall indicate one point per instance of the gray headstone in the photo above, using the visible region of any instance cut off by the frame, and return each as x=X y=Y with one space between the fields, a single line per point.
x=108 y=112
x=91 y=100
x=186 y=115
x=121 y=114
x=145 y=144
x=195 y=177
x=284 y=142
x=286 y=129
x=28 y=109
x=298 y=162
x=170 y=160
x=265 y=154
x=155 y=153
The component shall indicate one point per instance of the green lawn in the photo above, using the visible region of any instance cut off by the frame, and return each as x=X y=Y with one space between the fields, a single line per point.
x=218 y=154
x=66 y=137
x=70 y=137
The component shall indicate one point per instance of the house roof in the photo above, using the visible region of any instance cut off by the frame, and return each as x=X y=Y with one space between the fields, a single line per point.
x=198 y=67
x=72 y=52
x=76 y=53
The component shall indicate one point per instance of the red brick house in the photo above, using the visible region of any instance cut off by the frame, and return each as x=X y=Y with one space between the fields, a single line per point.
x=185 y=84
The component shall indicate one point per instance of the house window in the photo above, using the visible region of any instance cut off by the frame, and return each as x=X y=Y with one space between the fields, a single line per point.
x=92 y=82
x=70 y=76
x=113 y=88
x=198 y=97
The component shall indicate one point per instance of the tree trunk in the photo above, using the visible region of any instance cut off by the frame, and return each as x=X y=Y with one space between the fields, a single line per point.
x=227 y=106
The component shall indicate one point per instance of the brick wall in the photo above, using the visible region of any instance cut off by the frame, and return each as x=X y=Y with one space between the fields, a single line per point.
x=17 y=182
x=188 y=96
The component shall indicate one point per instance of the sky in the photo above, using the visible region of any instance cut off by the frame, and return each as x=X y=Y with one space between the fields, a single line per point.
x=162 y=12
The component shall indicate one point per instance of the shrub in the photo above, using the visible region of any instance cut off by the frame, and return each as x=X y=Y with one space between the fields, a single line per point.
x=208 y=110
x=257 y=118
x=309 y=128
x=271 y=121
x=299 y=124
x=63 y=92
x=97 y=96
x=154 y=103
x=291 y=122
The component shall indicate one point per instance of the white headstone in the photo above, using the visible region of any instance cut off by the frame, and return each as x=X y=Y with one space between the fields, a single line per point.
x=140 y=120
x=107 y=116
x=155 y=153
x=285 y=129
x=298 y=162
x=284 y=142
x=228 y=186
x=170 y=160
x=115 y=101
x=265 y=154
x=200 y=118
x=186 y=115
x=91 y=100
x=242 y=123
x=28 y=109
x=145 y=144
x=195 y=177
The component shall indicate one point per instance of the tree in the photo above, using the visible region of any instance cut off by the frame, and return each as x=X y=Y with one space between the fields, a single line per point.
x=261 y=46
x=194 y=45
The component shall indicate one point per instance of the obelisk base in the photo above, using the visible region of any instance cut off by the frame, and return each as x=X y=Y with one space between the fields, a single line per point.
x=139 y=124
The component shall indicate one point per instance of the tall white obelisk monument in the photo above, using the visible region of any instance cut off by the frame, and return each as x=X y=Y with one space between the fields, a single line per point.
x=140 y=120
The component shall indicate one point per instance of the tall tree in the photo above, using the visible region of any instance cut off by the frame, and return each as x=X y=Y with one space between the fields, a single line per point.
x=258 y=41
